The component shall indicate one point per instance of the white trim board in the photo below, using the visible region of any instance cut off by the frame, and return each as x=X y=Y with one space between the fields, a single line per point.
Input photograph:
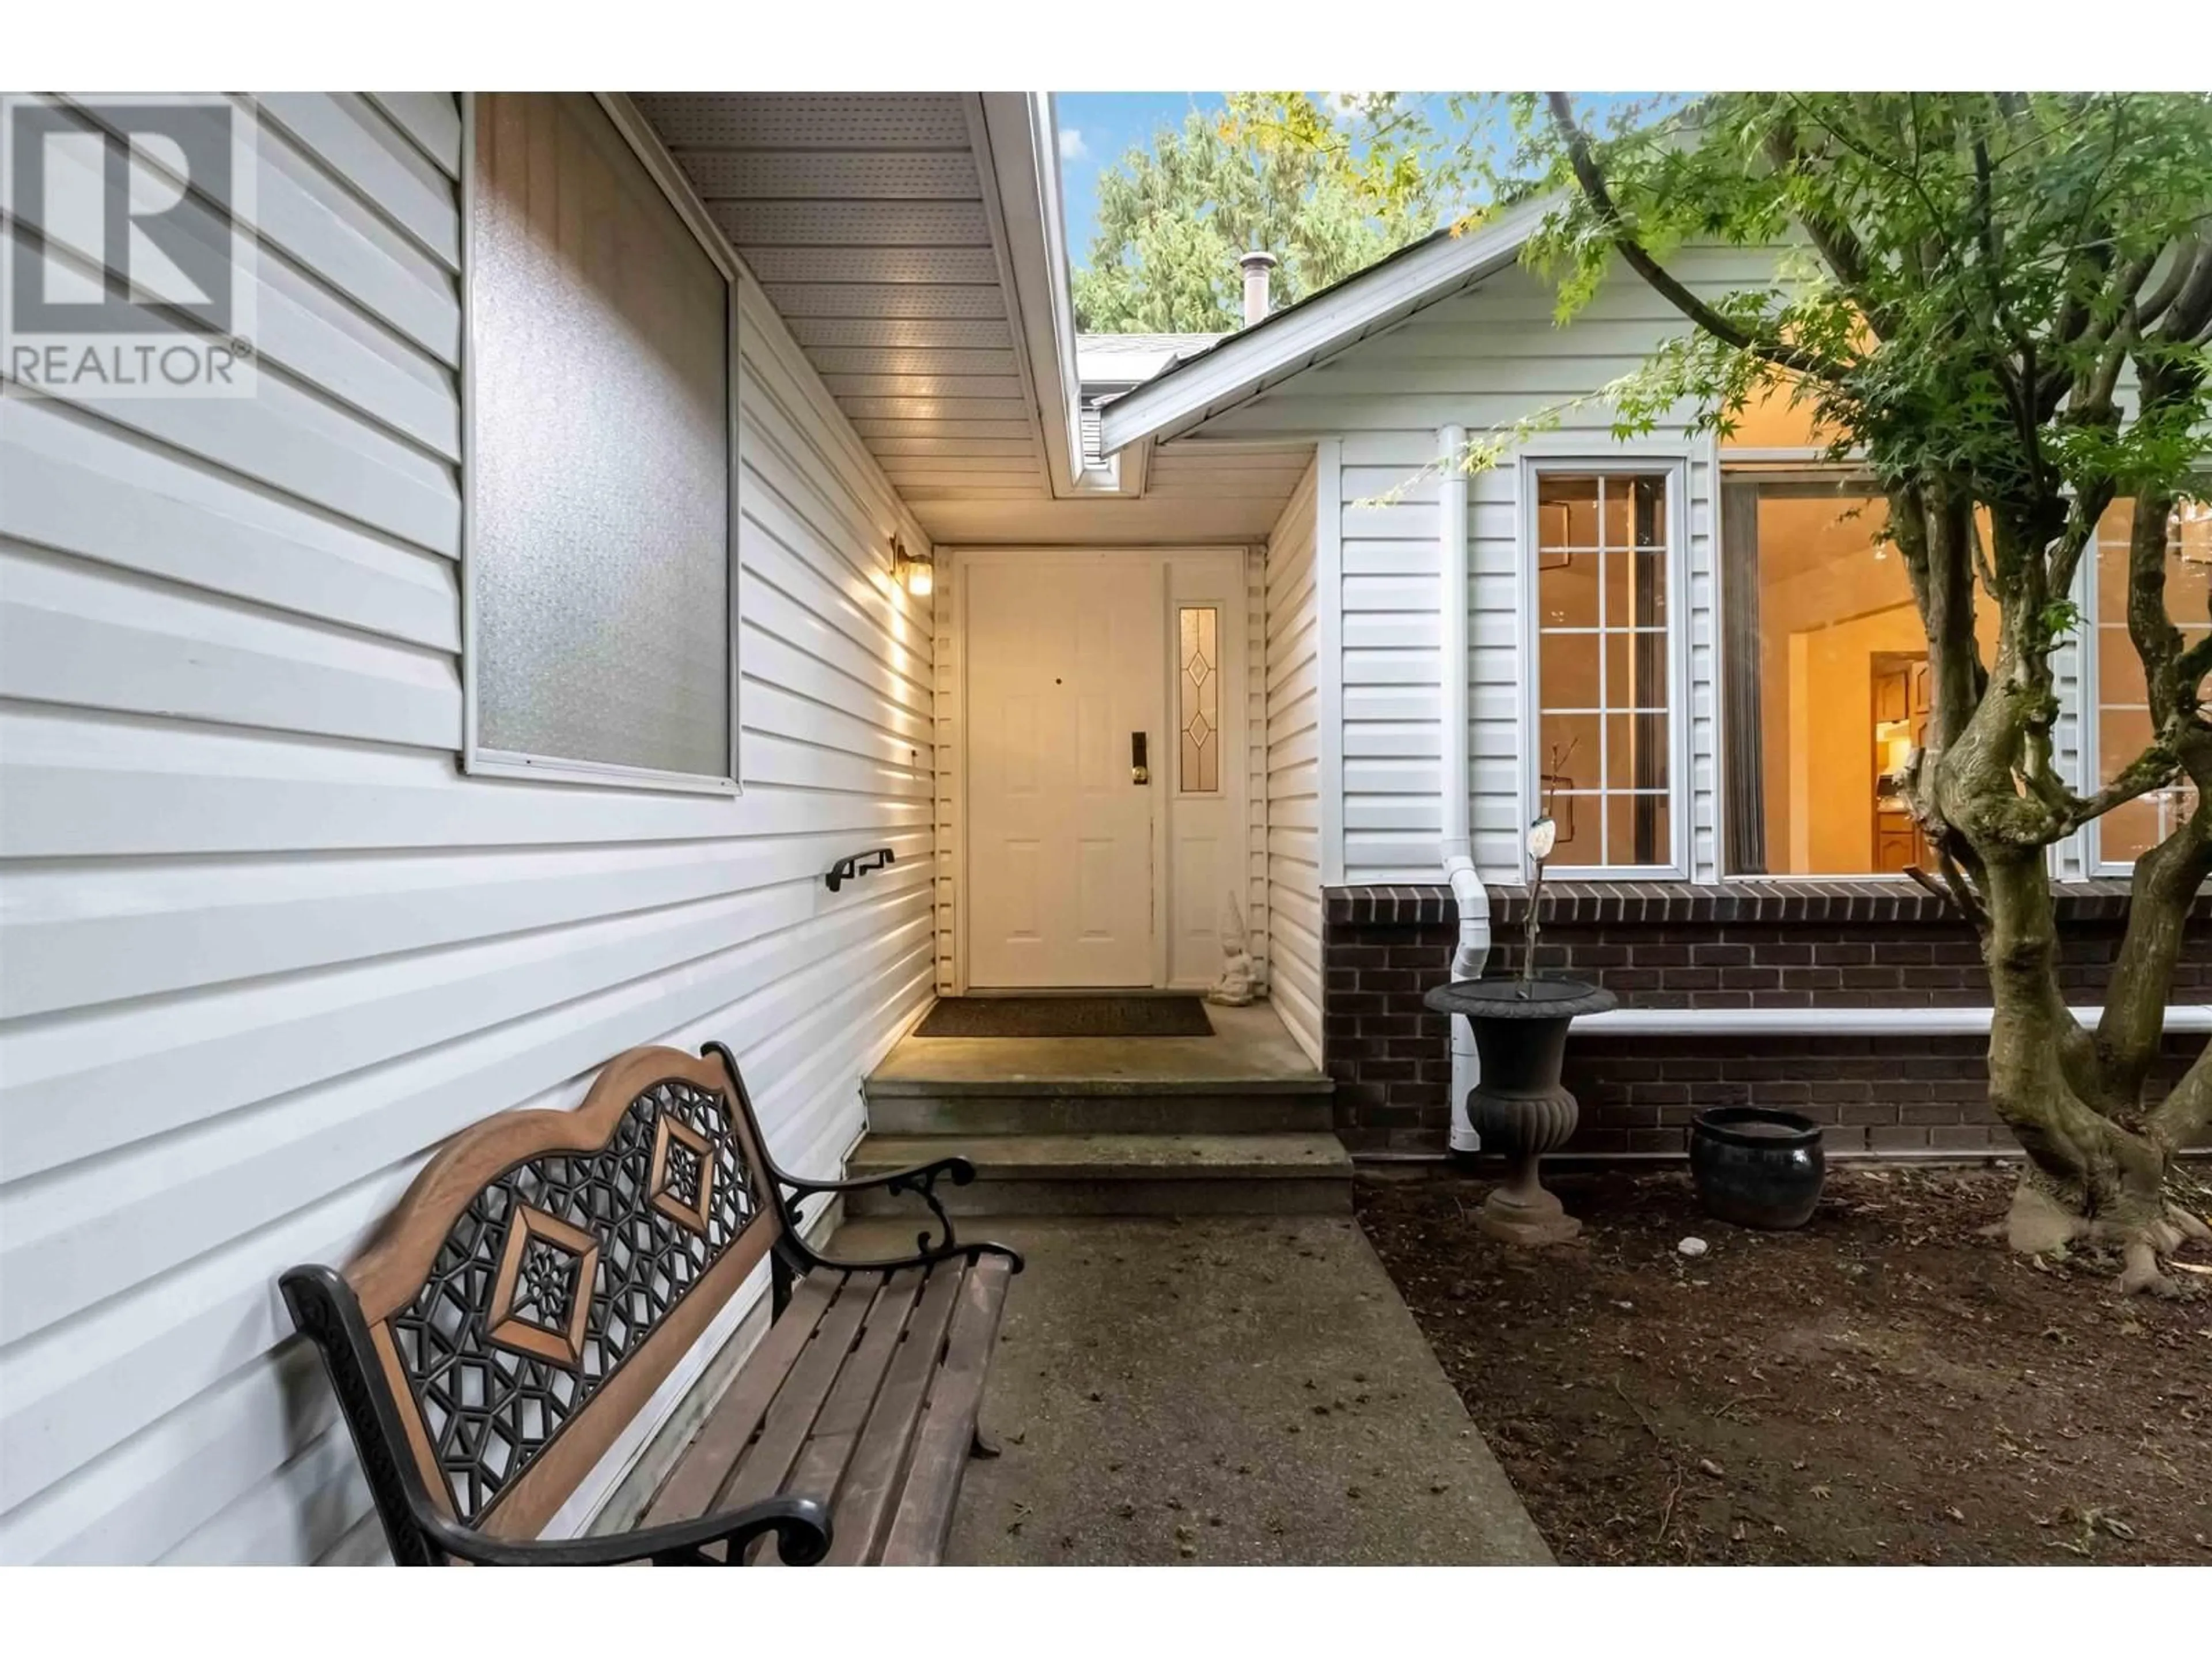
x=2186 y=1017
x=1014 y=164
x=1328 y=590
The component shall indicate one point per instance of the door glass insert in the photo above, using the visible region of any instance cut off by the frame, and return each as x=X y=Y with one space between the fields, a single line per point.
x=1198 y=713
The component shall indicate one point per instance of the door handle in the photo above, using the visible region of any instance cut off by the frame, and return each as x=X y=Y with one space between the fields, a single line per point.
x=1138 y=771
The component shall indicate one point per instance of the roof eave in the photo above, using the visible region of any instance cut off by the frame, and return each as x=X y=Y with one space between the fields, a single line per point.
x=1300 y=336
x=1017 y=147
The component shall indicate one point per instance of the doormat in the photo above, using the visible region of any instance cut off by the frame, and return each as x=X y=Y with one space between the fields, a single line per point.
x=1065 y=1017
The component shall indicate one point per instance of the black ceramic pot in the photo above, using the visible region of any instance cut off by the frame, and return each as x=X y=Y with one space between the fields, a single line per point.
x=1757 y=1168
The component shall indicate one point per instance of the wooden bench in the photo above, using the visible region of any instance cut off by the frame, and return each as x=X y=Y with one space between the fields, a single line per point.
x=547 y=1270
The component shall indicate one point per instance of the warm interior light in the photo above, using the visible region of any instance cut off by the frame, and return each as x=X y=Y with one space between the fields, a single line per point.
x=918 y=579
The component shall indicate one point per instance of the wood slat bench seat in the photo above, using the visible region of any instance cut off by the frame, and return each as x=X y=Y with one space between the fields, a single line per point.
x=546 y=1271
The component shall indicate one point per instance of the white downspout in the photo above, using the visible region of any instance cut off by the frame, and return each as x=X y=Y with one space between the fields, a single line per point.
x=1469 y=898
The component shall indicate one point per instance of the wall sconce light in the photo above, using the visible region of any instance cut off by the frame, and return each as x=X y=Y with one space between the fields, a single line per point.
x=916 y=573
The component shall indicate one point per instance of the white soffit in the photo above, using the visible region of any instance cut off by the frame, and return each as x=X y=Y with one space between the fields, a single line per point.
x=865 y=217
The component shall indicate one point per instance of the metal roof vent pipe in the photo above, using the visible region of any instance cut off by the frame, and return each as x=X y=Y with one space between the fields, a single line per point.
x=1257 y=301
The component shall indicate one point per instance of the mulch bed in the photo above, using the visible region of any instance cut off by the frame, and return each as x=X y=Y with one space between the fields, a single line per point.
x=1887 y=1385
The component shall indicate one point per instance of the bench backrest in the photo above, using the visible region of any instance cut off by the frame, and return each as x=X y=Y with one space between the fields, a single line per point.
x=547 y=1269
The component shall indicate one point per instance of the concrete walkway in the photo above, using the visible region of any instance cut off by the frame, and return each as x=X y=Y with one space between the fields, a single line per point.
x=1218 y=1390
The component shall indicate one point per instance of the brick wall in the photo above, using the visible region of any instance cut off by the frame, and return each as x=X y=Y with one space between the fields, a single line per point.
x=1743 y=945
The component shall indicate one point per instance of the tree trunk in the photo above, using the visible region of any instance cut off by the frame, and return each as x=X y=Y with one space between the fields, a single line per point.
x=2092 y=1174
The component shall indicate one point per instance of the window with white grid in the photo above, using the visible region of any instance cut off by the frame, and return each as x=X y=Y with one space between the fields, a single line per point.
x=1603 y=696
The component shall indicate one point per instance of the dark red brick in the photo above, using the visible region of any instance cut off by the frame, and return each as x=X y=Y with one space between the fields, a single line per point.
x=1770 y=945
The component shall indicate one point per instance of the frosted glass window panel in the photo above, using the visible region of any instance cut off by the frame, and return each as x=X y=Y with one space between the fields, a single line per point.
x=1198 y=642
x=600 y=465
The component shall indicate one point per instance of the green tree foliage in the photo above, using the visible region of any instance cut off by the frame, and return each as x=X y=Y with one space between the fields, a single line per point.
x=1327 y=197
x=2003 y=303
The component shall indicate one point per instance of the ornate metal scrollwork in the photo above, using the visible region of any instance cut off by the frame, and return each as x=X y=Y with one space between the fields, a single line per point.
x=557 y=1271
x=923 y=1183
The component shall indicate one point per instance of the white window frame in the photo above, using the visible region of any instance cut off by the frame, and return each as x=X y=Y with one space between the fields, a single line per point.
x=1757 y=466
x=1673 y=464
x=475 y=759
x=2090 y=714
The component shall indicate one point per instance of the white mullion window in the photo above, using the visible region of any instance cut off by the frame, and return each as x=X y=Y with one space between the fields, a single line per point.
x=2117 y=723
x=1605 y=731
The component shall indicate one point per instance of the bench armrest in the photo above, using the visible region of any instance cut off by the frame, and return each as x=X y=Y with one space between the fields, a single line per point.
x=921 y=1178
x=801 y=1527
x=921 y=1181
x=792 y=1253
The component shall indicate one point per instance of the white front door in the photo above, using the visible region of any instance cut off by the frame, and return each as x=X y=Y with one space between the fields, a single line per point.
x=1066 y=663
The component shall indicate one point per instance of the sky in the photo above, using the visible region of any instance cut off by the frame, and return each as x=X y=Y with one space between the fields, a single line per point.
x=1096 y=128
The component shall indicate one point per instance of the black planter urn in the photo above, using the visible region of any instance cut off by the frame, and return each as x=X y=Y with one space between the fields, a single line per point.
x=1757 y=1168
x=1517 y=1105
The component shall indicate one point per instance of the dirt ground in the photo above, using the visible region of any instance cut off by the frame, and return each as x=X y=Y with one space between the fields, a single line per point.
x=1885 y=1386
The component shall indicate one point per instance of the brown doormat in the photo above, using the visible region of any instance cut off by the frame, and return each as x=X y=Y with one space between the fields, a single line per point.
x=1065 y=1017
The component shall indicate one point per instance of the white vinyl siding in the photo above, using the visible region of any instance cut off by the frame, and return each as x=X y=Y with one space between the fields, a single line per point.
x=1293 y=770
x=264 y=946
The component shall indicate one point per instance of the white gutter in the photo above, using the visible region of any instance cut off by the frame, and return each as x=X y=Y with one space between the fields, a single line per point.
x=1017 y=157
x=2189 y=1017
x=1469 y=898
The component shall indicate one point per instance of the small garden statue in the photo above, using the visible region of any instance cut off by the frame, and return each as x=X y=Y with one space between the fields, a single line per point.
x=1238 y=984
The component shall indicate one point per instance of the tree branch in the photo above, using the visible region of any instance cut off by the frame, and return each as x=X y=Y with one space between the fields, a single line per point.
x=2191 y=309
x=2081 y=516
x=2153 y=768
x=2179 y=1123
x=1588 y=176
x=2150 y=306
x=2163 y=889
x=1837 y=243
x=2194 y=664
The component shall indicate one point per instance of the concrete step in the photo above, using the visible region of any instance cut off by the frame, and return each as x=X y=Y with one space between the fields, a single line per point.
x=1097 y=1106
x=1117 y=1174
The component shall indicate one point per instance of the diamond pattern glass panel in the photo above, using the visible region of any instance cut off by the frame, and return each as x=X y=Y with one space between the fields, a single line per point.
x=1199 y=706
